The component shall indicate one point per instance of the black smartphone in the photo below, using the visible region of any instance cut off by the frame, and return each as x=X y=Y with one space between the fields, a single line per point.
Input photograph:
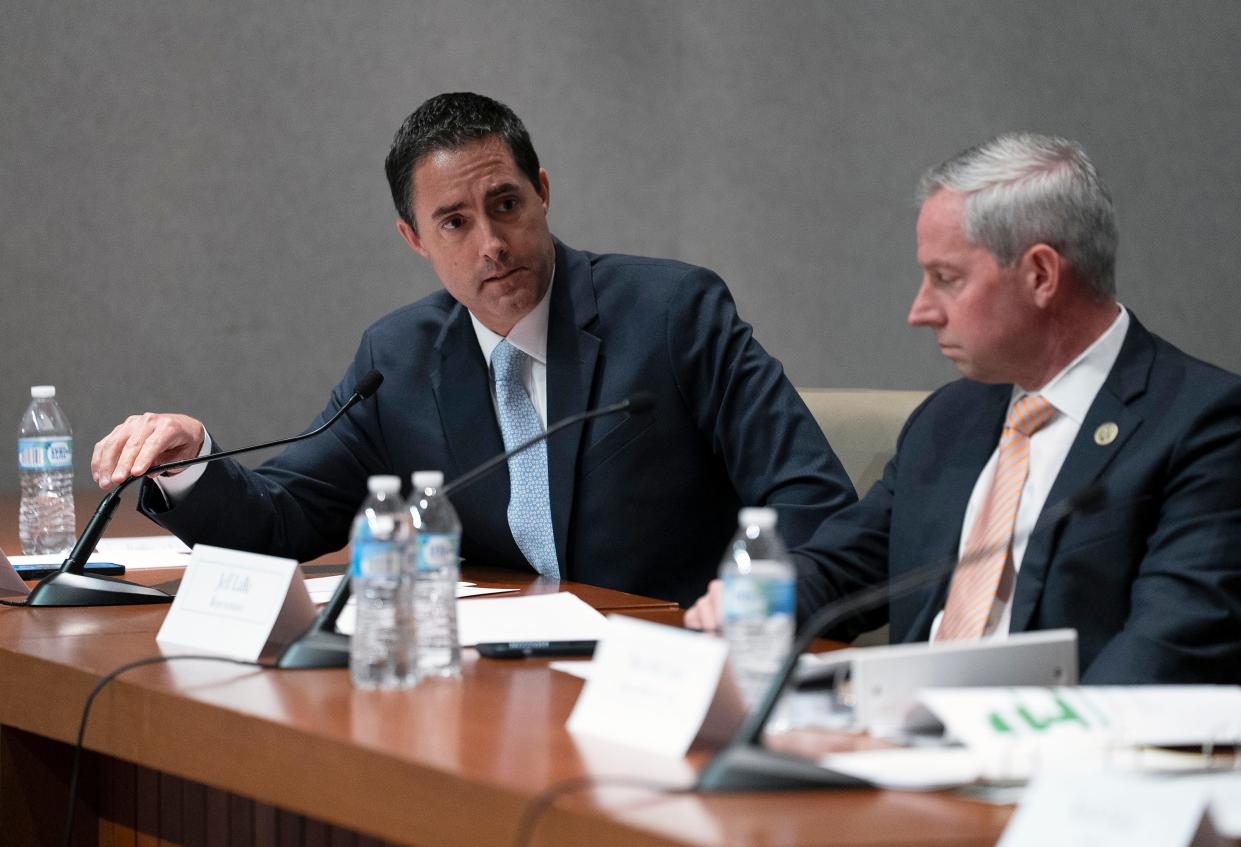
x=534 y=649
x=92 y=568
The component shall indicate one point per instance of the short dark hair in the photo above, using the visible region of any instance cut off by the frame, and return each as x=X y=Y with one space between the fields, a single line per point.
x=450 y=122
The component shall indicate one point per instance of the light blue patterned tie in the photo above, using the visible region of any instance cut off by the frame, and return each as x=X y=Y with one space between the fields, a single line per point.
x=529 y=502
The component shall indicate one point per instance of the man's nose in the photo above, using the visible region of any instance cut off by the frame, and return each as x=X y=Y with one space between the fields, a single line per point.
x=492 y=244
x=925 y=310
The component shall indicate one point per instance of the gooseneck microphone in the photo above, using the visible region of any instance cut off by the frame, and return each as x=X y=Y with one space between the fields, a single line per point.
x=745 y=765
x=638 y=403
x=322 y=646
x=69 y=586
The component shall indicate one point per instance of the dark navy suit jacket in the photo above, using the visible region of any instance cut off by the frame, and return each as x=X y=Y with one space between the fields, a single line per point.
x=1151 y=580
x=643 y=504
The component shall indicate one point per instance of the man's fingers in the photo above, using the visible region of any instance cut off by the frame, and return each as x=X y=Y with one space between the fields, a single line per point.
x=142 y=442
x=706 y=614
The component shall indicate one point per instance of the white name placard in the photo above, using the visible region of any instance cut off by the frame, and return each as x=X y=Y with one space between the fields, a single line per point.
x=236 y=604
x=651 y=687
x=11 y=583
x=1110 y=810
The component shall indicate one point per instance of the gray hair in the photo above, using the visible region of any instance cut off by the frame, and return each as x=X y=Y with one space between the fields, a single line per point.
x=1024 y=189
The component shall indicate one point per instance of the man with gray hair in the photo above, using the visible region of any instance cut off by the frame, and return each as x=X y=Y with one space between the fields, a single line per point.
x=1065 y=392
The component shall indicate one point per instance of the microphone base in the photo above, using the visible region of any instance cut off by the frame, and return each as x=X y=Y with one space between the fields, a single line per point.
x=316 y=649
x=73 y=589
x=749 y=768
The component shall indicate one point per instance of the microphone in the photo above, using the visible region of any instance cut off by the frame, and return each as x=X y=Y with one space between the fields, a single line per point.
x=638 y=403
x=745 y=765
x=322 y=646
x=69 y=586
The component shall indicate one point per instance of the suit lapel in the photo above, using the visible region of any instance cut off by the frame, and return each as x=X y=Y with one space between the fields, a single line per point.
x=572 y=353
x=1113 y=411
x=462 y=390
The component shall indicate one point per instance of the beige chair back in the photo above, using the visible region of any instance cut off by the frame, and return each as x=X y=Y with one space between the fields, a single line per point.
x=861 y=424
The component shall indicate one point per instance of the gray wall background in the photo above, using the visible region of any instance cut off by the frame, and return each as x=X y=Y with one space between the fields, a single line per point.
x=193 y=213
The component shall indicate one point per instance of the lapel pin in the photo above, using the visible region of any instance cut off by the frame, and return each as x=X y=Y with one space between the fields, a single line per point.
x=1106 y=434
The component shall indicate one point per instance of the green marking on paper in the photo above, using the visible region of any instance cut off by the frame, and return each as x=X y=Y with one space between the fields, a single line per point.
x=998 y=724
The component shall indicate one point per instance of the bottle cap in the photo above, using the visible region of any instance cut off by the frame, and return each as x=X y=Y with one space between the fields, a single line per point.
x=428 y=479
x=763 y=518
x=42 y=392
x=385 y=484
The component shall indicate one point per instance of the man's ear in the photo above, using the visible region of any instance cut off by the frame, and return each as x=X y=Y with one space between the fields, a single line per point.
x=545 y=193
x=1042 y=269
x=411 y=237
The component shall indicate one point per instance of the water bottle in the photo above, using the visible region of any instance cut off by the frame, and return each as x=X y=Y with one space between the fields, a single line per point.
x=381 y=652
x=437 y=540
x=759 y=612
x=45 y=463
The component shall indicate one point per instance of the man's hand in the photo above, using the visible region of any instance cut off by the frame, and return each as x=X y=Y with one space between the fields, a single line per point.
x=142 y=442
x=707 y=613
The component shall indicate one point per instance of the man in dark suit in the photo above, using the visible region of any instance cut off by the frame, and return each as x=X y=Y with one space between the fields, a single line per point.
x=526 y=332
x=1064 y=390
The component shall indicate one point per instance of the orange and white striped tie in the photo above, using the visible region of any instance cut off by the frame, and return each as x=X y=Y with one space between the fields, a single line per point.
x=974 y=583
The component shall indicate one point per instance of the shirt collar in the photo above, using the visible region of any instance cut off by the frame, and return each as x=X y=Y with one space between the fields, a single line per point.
x=529 y=335
x=1072 y=391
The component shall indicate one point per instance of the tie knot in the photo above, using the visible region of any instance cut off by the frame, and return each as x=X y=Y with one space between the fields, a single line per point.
x=507 y=362
x=1030 y=413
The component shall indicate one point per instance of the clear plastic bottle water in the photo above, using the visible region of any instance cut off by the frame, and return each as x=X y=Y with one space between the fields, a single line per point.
x=45 y=463
x=381 y=652
x=437 y=540
x=759 y=609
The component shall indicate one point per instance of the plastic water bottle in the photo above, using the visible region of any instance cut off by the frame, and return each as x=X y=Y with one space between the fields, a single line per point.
x=437 y=540
x=45 y=463
x=759 y=610
x=381 y=652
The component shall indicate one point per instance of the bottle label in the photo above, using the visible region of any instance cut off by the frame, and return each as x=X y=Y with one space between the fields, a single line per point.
x=437 y=550
x=45 y=454
x=376 y=560
x=750 y=597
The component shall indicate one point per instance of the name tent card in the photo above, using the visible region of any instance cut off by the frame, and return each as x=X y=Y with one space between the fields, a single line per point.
x=652 y=687
x=1110 y=810
x=11 y=583
x=237 y=604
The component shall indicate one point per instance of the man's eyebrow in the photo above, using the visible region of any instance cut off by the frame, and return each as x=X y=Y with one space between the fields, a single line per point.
x=492 y=193
x=446 y=210
x=502 y=188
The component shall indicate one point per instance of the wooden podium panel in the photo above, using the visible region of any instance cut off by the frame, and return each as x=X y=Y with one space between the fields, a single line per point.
x=196 y=752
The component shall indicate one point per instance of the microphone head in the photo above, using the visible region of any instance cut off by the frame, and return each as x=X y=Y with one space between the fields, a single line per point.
x=640 y=402
x=368 y=384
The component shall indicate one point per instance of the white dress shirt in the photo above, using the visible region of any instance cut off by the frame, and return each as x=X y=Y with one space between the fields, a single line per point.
x=529 y=335
x=1071 y=392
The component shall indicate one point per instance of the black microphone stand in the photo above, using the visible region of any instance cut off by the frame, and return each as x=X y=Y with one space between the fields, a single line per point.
x=70 y=586
x=322 y=646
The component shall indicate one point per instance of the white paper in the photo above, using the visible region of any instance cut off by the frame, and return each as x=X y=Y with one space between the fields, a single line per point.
x=235 y=603
x=650 y=686
x=540 y=617
x=322 y=588
x=1107 y=810
x=144 y=543
x=464 y=590
x=917 y=769
x=1224 y=792
x=580 y=668
x=11 y=584
x=1166 y=715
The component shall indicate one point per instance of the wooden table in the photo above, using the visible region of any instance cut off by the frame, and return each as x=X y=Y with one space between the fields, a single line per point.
x=206 y=753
